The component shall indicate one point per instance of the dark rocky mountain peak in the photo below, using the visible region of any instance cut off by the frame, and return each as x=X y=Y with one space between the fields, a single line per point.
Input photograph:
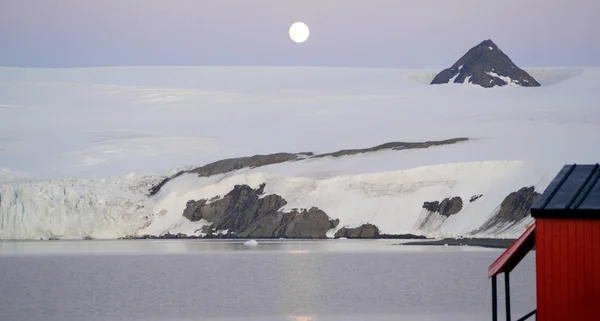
x=485 y=65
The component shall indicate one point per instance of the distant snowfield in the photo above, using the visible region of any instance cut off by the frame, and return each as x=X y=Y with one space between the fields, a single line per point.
x=92 y=123
x=545 y=76
x=11 y=175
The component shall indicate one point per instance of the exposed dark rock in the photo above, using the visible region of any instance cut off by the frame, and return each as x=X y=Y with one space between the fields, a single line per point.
x=485 y=65
x=245 y=215
x=365 y=231
x=228 y=165
x=513 y=209
x=156 y=188
x=261 y=189
x=231 y=164
x=163 y=236
x=475 y=197
x=402 y=236
x=517 y=204
x=448 y=207
x=437 y=213
x=312 y=223
x=433 y=207
x=393 y=146
x=191 y=210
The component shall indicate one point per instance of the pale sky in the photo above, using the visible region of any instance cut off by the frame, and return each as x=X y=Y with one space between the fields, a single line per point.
x=365 y=33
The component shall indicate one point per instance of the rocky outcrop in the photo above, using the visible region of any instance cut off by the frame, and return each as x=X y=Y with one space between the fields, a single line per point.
x=311 y=223
x=487 y=66
x=393 y=146
x=365 y=231
x=516 y=205
x=448 y=207
x=475 y=197
x=166 y=236
x=514 y=208
x=231 y=164
x=245 y=215
x=402 y=236
x=436 y=213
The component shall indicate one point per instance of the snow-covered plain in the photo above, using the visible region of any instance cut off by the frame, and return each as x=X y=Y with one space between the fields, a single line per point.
x=87 y=129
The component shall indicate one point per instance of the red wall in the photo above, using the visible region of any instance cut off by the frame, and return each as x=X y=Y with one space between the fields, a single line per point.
x=568 y=269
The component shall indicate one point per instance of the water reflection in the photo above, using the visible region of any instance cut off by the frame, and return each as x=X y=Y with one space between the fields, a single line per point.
x=299 y=284
x=277 y=280
x=302 y=318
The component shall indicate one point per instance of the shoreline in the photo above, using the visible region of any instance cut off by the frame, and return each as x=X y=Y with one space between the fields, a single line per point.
x=409 y=239
x=233 y=237
x=480 y=242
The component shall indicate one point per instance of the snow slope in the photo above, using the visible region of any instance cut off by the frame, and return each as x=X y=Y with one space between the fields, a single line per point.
x=90 y=123
x=391 y=200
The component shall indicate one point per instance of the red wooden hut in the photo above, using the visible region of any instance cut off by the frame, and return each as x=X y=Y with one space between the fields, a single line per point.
x=566 y=236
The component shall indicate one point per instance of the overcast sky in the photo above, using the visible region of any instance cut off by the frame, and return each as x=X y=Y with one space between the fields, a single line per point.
x=368 y=33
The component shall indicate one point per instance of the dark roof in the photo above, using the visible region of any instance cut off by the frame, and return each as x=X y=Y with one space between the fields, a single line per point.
x=514 y=254
x=573 y=193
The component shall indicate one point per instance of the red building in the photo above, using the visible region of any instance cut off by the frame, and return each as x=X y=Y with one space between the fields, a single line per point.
x=566 y=235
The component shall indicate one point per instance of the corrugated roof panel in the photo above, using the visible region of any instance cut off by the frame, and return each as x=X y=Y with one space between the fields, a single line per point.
x=572 y=186
x=592 y=199
x=586 y=188
x=554 y=184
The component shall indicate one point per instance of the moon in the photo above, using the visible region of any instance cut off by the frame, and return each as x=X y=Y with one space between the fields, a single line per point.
x=299 y=32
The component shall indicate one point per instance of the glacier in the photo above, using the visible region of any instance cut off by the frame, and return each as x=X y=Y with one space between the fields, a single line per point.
x=74 y=208
x=97 y=126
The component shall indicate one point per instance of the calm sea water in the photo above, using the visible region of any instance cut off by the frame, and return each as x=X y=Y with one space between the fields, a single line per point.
x=154 y=280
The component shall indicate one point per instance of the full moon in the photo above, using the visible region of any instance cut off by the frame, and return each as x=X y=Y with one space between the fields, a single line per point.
x=299 y=32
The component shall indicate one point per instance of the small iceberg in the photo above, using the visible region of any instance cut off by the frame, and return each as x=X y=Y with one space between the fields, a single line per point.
x=251 y=243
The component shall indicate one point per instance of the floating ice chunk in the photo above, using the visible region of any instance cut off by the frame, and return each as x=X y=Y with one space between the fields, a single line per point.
x=251 y=243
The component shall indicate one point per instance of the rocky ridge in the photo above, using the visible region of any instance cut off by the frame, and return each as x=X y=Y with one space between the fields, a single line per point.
x=231 y=164
x=514 y=208
x=487 y=66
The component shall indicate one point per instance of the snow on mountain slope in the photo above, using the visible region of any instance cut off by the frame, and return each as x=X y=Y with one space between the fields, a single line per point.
x=391 y=200
x=89 y=123
x=99 y=122
x=116 y=207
